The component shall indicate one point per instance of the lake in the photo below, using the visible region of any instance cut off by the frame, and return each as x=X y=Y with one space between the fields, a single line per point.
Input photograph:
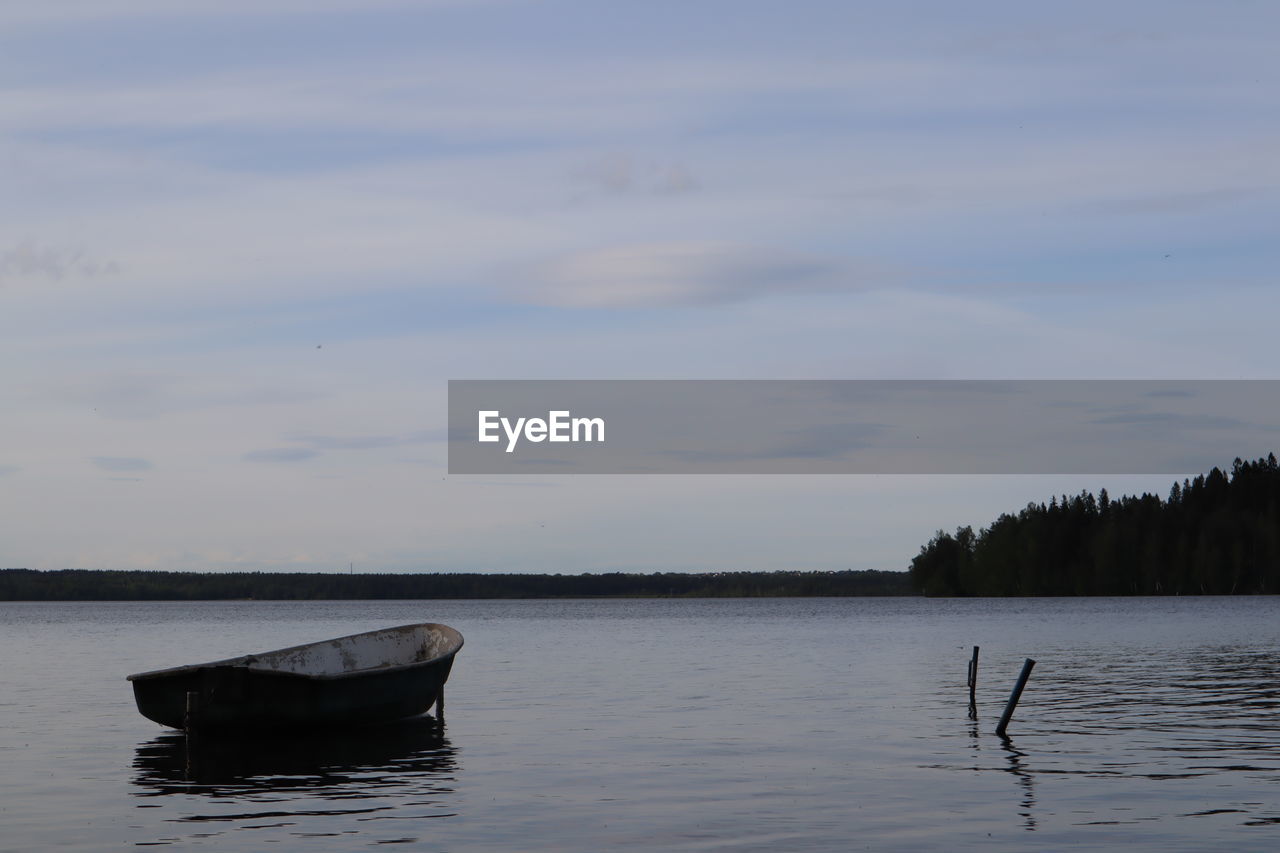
x=740 y=724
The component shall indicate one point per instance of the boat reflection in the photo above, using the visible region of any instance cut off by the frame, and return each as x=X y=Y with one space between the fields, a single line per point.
x=371 y=761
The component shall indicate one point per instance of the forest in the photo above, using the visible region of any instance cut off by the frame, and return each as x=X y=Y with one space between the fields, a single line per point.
x=88 y=585
x=1218 y=534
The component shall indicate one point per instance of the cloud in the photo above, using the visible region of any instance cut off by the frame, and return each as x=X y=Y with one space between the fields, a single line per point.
x=62 y=12
x=281 y=454
x=1171 y=421
x=6 y=470
x=1194 y=201
x=617 y=174
x=366 y=442
x=121 y=463
x=828 y=441
x=312 y=445
x=29 y=259
x=252 y=181
x=682 y=273
x=136 y=394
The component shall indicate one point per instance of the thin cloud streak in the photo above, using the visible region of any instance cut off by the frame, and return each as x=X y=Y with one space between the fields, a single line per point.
x=30 y=260
x=59 y=13
x=687 y=273
x=281 y=454
x=121 y=463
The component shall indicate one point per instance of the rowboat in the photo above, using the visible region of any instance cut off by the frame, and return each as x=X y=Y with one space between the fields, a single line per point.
x=374 y=677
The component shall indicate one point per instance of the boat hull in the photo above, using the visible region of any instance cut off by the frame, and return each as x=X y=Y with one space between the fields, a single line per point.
x=243 y=694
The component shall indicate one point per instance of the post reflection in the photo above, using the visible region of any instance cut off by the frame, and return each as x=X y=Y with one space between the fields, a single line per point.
x=1026 y=781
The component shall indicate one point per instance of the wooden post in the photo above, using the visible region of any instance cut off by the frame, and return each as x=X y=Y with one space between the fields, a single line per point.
x=973 y=685
x=1015 y=696
x=193 y=712
x=440 y=704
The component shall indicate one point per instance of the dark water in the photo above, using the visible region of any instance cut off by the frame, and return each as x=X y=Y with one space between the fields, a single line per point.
x=794 y=724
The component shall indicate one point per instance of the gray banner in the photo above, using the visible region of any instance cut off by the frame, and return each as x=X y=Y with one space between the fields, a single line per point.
x=858 y=426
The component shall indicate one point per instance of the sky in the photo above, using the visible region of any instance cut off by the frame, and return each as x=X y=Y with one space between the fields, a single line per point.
x=244 y=245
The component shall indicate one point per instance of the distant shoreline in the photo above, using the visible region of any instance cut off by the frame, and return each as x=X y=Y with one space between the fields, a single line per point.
x=123 y=585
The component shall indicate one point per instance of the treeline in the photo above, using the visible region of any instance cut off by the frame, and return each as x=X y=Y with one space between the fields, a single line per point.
x=83 y=585
x=1218 y=534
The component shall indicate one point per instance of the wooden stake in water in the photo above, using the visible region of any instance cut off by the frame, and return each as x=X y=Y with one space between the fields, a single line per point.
x=440 y=704
x=1015 y=696
x=973 y=685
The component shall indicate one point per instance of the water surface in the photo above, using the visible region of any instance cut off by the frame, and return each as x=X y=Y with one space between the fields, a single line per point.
x=780 y=724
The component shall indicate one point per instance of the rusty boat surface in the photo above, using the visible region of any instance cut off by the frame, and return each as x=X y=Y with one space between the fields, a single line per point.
x=373 y=677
